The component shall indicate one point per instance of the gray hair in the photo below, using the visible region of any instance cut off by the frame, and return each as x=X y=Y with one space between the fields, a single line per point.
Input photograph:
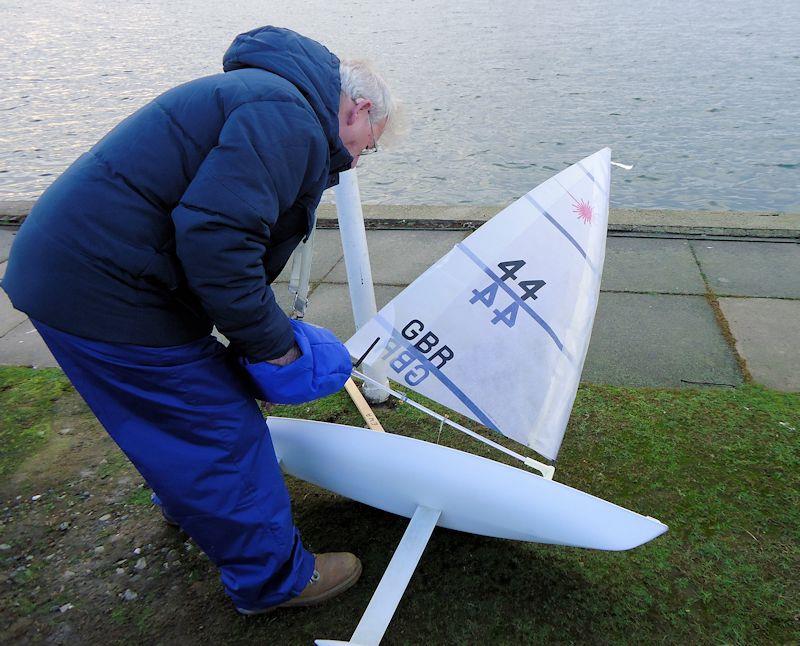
x=361 y=81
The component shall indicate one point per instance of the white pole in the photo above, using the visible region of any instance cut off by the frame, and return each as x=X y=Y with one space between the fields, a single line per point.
x=301 y=276
x=393 y=584
x=359 y=272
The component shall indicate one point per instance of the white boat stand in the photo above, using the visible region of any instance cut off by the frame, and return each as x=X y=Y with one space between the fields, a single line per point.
x=359 y=270
x=301 y=276
x=384 y=602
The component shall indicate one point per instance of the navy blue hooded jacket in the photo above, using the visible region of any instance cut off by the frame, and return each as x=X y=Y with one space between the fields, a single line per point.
x=183 y=214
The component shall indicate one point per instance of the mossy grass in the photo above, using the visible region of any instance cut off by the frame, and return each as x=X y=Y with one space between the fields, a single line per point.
x=721 y=467
x=26 y=401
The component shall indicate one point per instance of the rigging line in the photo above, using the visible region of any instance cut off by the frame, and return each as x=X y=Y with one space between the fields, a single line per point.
x=568 y=192
x=555 y=179
x=444 y=420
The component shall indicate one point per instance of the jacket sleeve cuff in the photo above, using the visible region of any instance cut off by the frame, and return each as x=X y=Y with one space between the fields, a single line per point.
x=270 y=339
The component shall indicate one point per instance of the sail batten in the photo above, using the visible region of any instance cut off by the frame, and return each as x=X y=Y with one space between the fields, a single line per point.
x=498 y=328
x=555 y=223
x=591 y=177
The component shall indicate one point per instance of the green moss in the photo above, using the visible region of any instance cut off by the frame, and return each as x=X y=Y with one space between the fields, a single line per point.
x=26 y=411
x=140 y=496
x=136 y=617
x=113 y=464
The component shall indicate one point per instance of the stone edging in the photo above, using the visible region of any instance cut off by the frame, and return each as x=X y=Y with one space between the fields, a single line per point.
x=785 y=226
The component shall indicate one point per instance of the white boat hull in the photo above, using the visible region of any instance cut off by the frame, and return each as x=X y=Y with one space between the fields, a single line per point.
x=399 y=474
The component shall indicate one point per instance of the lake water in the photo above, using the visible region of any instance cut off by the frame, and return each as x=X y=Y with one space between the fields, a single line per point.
x=702 y=97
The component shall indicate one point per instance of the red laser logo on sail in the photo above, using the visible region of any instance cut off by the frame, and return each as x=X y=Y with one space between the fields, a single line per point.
x=584 y=211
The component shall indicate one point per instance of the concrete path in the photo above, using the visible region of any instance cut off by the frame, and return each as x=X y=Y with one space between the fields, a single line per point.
x=674 y=311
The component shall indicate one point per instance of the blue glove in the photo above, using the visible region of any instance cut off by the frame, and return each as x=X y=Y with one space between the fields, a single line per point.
x=321 y=370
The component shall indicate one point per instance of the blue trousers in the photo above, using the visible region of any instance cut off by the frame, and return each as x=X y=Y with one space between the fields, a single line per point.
x=186 y=418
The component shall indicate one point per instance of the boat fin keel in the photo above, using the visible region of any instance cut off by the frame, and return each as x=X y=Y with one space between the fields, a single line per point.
x=384 y=602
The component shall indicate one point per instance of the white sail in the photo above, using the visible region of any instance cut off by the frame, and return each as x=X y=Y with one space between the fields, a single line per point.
x=499 y=327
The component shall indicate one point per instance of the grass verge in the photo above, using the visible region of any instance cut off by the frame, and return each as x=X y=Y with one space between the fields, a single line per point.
x=720 y=467
x=26 y=401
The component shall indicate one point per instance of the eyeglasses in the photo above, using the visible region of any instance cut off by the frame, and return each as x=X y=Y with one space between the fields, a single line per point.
x=374 y=147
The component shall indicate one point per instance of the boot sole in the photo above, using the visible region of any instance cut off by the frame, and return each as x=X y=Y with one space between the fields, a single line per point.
x=329 y=594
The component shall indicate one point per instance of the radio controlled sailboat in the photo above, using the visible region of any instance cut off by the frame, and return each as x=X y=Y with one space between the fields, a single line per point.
x=496 y=330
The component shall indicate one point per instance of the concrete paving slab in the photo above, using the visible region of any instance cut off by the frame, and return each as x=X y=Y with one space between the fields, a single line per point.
x=330 y=307
x=23 y=346
x=327 y=252
x=767 y=269
x=651 y=265
x=9 y=317
x=398 y=257
x=6 y=238
x=282 y=296
x=767 y=333
x=659 y=341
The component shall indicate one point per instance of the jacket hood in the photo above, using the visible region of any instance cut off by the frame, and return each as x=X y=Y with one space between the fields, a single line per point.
x=309 y=66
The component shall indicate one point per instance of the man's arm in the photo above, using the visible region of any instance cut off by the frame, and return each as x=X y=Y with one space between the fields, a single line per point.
x=269 y=153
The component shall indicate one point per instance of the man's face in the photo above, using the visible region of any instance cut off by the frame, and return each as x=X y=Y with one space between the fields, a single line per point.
x=355 y=127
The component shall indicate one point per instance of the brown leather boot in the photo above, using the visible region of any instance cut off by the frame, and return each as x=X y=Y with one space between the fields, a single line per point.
x=334 y=573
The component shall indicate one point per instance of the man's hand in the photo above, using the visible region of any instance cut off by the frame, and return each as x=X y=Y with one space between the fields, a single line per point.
x=292 y=355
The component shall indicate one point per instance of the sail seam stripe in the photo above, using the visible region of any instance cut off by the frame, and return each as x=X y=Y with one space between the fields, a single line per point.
x=591 y=177
x=460 y=395
x=528 y=309
x=558 y=226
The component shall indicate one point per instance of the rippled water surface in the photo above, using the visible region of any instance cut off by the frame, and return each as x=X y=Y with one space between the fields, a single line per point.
x=703 y=98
